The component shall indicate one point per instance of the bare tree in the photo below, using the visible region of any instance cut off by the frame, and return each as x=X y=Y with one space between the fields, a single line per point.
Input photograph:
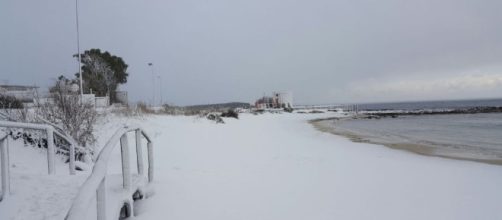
x=67 y=110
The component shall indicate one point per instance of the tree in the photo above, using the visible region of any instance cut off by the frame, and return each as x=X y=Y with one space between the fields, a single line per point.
x=103 y=72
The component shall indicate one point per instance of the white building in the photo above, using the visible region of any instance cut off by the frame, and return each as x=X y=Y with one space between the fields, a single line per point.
x=278 y=100
x=24 y=94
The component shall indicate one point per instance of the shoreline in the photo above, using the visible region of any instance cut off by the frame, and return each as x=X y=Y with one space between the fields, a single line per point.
x=421 y=149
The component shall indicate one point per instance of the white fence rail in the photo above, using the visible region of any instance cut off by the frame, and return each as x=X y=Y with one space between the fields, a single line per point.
x=4 y=166
x=51 y=151
x=51 y=133
x=94 y=189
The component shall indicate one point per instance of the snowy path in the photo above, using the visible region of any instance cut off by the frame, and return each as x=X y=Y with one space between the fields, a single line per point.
x=279 y=167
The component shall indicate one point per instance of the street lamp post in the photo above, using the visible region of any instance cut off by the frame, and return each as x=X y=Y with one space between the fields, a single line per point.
x=78 y=52
x=153 y=84
x=160 y=89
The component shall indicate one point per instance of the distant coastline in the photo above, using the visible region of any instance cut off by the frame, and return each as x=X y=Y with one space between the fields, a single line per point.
x=432 y=105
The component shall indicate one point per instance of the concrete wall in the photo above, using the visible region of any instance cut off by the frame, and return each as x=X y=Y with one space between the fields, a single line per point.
x=102 y=102
x=98 y=102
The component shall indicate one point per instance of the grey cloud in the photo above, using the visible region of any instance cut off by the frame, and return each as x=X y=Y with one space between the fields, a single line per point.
x=225 y=50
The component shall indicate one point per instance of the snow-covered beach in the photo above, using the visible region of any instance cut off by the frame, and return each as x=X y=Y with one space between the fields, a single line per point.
x=251 y=110
x=278 y=166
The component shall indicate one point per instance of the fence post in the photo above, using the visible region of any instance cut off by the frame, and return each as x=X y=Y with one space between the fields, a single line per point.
x=5 y=168
x=72 y=159
x=150 y=161
x=139 y=152
x=101 y=200
x=50 y=150
x=126 y=170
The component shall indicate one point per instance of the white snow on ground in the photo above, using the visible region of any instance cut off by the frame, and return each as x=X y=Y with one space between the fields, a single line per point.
x=35 y=194
x=277 y=166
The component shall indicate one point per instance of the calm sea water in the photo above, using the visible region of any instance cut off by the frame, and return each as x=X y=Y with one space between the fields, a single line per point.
x=456 y=104
x=467 y=135
x=477 y=134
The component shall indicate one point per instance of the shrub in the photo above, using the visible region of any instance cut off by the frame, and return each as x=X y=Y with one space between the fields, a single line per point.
x=143 y=108
x=10 y=102
x=231 y=113
x=288 y=109
x=214 y=117
x=67 y=111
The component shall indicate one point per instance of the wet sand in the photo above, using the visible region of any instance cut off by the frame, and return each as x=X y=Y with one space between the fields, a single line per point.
x=326 y=125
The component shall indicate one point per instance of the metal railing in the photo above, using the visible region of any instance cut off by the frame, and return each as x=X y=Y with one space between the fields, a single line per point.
x=4 y=166
x=51 y=150
x=51 y=134
x=94 y=188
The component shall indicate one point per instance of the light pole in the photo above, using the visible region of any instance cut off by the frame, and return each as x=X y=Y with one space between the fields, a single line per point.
x=78 y=52
x=153 y=84
x=160 y=89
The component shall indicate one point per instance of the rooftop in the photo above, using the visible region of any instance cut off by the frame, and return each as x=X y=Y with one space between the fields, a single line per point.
x=17 y=87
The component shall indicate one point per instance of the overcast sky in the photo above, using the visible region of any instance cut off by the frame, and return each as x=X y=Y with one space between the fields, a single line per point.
x=324 y=51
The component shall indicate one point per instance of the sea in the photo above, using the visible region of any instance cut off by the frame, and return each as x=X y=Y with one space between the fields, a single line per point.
x=470 y=136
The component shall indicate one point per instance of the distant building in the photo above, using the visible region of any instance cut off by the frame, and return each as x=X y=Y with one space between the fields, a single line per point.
x=284 y=99
x=264 y=102
x=28 y=95
x=25 y=94
x=277 y=100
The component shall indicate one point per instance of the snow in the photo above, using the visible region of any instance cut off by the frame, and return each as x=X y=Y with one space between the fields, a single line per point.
x=274 y=166
x=34 y=193
x=119 y=188
x=279 y=167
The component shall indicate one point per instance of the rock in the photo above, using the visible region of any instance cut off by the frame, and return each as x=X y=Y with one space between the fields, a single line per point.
x=215 y=117
x=230 y=114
